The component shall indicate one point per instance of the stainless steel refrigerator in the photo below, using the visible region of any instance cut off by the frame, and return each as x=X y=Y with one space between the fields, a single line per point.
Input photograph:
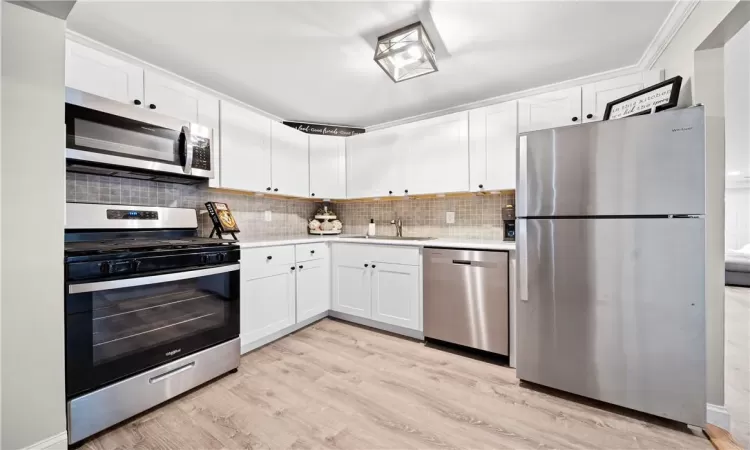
x=611 y=262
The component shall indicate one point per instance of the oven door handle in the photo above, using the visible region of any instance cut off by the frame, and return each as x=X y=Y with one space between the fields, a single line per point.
x=143 y=281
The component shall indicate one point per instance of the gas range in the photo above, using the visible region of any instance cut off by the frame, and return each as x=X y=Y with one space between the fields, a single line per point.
x=151 y=310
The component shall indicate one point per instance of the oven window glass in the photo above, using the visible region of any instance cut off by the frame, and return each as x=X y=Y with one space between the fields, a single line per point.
x=134 y=319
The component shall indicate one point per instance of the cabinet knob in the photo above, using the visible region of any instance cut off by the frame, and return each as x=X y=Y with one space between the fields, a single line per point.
x=268 y=188
x=367 y=265
x=152 y=106
x=301 y=266
x=589 y=116
x=390 y=192
x=373 y=266
x=293 y=267
x=481 y=186
x=574 y=119
x=269 y=257
x=312 y=252
x=312 y=195
x=276 y=189
x=137 y=102
x=406 y=191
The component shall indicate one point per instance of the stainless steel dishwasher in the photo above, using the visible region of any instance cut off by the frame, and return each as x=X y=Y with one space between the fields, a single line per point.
x=466 y=298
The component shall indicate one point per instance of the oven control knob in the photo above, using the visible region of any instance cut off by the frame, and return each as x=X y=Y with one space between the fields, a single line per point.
x=220 y=257
x=204 y=259
x=136 y=265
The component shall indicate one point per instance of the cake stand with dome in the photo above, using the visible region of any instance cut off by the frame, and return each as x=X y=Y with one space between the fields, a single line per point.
x=325 y=222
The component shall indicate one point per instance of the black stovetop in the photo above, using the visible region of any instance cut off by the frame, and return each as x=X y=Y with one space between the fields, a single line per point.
x=137 y=244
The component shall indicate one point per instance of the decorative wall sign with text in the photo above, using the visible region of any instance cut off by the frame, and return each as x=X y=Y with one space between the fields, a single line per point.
x=326 y=130
x=654 y=98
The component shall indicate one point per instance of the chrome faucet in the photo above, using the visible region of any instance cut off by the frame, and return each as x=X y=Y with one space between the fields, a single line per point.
x=399 y=227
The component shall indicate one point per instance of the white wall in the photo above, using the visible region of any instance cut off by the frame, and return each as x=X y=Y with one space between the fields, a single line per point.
x=737 y=210
x=737 y=150
x=677 y=58
x=31 y=232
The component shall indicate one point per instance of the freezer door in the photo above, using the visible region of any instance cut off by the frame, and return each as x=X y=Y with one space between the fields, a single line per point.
x=613 y=309
x=644 y=165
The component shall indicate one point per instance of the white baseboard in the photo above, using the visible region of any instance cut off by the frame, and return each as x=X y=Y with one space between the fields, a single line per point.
x=252 y=345
x=415 y=334
x=56 y=442
x=718 y=415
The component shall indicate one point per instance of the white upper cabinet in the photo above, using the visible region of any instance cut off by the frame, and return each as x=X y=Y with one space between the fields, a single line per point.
x=327 y=166
x=550 y=110
x=492 y=158
x=245 y=150
x=434 y=154
x=597 y=95
x=373 y=166
x=174 y=99
x=103 y=75
x=290 y=168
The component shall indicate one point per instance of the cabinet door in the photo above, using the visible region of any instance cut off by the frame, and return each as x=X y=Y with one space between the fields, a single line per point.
x=373 y=167
x=435 y=154
x=312 y=289
x=395 y=294
x=493 y=132
x=103 y=75
x=597 y=95
x=245 y=149
x=351 y=288
x=169 y=97
x=550 y=110
x=290 y=167
x=267 y=302
x=327 y=166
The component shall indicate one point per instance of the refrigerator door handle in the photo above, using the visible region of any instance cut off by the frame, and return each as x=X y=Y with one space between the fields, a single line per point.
x=521 y=184
x=523 y=269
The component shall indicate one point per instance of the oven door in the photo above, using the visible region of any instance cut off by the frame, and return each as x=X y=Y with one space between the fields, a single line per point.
x=107 y=133
x=120 y=327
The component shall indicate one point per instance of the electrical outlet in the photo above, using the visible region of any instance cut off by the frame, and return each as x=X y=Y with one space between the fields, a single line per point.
x=268 y=216
x=450 y=217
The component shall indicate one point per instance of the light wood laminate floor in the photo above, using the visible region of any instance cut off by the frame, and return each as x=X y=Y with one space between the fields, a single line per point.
x=737 y=362
x=335 y=385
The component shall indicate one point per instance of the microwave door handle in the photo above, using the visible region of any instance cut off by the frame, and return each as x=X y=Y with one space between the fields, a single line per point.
x=189 y=150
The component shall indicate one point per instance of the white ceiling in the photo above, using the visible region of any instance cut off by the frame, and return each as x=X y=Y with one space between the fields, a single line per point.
x=313 y=61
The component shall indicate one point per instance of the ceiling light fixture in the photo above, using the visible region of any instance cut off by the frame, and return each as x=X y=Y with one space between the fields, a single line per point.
x=406 y=53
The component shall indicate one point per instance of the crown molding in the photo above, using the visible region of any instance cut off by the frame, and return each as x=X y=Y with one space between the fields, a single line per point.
x=669 y=28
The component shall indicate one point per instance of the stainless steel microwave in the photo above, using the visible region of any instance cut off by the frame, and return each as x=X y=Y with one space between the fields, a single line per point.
x=107 y=137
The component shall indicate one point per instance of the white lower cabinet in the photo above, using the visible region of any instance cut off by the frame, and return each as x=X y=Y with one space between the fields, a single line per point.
x=351 y=288
x=377 y=282
x=267 y=303
x=394 y=292
x=282 y=286
x=313 y=293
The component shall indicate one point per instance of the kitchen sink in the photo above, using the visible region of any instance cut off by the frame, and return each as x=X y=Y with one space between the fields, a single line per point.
x=395 y=238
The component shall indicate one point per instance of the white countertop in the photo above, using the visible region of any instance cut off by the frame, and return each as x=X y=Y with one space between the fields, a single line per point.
x=479 y=244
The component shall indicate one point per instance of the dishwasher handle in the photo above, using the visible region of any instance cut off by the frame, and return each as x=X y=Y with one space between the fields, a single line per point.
x=462 y=261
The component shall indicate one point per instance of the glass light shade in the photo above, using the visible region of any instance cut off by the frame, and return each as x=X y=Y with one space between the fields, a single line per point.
x=406 y=53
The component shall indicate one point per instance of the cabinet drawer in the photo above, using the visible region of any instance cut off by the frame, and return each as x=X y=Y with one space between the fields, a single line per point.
x=311 y=252
x=356 y=253
x=254 y=258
